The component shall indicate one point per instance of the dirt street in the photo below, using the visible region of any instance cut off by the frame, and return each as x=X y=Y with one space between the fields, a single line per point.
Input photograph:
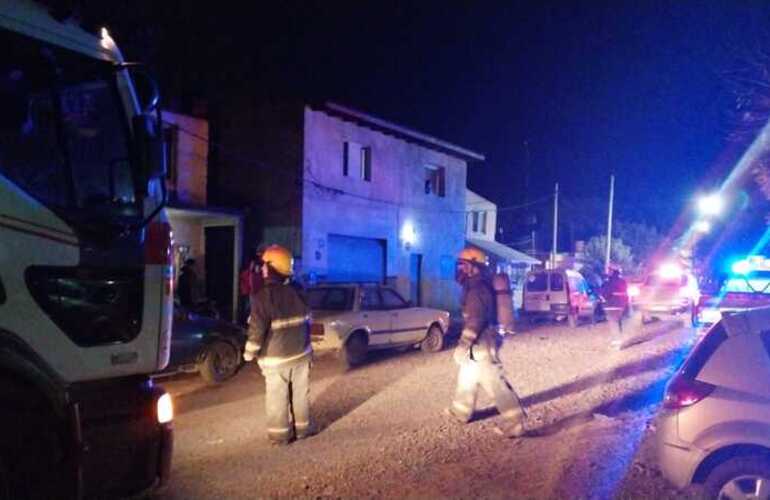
x=383 y=432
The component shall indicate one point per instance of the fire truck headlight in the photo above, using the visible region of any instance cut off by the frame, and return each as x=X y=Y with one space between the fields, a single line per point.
x=165 y=409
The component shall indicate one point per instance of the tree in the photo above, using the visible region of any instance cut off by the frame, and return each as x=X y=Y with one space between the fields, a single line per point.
x=642 y=239
x=594 y=254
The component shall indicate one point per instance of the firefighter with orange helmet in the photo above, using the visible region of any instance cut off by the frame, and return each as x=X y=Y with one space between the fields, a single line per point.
x=476 y=353
x=279 y=338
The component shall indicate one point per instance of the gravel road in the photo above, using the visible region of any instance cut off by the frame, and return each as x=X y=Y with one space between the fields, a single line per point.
x=383 y=432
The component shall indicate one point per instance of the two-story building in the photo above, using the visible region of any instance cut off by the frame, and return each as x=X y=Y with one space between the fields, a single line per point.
x=212 y=237
x=480 y=231
x=353 y=196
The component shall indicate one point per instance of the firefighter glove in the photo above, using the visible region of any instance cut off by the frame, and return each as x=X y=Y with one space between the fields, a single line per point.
x=250 y=350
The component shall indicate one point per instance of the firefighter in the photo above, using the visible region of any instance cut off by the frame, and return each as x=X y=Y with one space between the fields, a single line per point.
x=280 y=340
x=476 y=352
x=615 y=295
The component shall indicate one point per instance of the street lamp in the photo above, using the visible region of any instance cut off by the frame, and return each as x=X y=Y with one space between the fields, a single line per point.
x=710 y=205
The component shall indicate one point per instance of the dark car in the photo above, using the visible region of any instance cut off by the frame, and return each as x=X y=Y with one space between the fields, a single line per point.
x=209 y=346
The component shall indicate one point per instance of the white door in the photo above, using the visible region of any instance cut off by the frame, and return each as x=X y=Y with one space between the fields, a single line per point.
x=405 y=321
x=375 y=317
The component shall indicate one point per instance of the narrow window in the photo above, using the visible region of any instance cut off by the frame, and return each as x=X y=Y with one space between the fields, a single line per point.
x=483 y=223
x=475 y=222
x=434 y=180
x=366 y=164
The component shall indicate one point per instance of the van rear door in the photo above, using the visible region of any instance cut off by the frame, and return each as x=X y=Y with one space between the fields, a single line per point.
x=536 y=298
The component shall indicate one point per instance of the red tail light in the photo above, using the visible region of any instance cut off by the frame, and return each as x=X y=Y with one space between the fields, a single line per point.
x=682 y=392
x=157 y=244
x=317 y=329
x=158 y=250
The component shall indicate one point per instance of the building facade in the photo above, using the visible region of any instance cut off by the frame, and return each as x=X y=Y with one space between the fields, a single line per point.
x=356 y=198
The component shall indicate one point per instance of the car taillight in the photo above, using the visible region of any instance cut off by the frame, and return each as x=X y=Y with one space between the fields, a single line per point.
x=317 y=329
x=682 y=392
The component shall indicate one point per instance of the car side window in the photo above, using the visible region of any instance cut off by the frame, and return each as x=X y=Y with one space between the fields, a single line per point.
x=537 y=282
x=370 y=299
x=392 y=300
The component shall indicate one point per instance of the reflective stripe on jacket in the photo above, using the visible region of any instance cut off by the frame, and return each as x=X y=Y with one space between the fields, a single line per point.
x=279 y=326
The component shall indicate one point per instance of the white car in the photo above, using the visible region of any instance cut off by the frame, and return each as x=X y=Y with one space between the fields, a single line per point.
x=356 y=318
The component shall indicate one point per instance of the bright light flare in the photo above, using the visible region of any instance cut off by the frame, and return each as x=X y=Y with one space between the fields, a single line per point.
x=165 y=409
x=703 y=226
x=408 y=233
x=670 y=271
x=633 y=291
x=710 y=205
x=741 y=267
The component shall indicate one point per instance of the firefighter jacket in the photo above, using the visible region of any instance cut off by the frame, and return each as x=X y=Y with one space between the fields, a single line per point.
x=279 y=326
x=479 y=318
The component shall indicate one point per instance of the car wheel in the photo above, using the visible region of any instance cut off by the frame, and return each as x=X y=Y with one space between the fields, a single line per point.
x=354 y=352
x=434 y=339
x=739 y=477
x=220 y=362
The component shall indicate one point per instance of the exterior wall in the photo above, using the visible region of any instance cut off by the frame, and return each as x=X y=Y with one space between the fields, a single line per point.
x=395 y=198
x=476 y=204
x=192 y=150
x=256 y=167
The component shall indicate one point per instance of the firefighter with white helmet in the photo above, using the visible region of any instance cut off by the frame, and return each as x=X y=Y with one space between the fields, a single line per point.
x=476 y=352
x=279 y=338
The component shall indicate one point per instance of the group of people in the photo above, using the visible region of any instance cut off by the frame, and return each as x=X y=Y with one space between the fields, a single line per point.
x=279 y=339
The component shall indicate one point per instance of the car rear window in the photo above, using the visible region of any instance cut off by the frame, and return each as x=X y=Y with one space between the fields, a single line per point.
x=704 y=350
x=330 y=299
x=537 y=282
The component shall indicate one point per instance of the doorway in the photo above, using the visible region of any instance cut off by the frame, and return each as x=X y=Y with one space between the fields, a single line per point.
x=220 y=244
x=415 y=279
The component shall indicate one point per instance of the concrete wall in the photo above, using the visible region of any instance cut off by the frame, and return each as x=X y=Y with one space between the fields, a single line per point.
x=395 y=197
x=191 y=159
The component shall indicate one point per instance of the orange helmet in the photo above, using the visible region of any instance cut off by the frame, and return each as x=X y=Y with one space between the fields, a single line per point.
x=473 y=256
x=279 y=259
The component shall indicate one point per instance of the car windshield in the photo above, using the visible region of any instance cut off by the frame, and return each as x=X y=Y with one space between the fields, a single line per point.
x=330 y=298
x=754 y=282
x=63 y=131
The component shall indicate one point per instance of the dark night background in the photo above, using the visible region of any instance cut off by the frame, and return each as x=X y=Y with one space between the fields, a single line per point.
x=549 y=92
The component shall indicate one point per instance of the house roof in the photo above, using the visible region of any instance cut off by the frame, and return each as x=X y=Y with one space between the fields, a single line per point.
x=402 y=132
x=503 y=251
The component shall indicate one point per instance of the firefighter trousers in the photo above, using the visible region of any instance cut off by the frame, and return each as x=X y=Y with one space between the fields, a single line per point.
x=489 y=375
x=287 y=401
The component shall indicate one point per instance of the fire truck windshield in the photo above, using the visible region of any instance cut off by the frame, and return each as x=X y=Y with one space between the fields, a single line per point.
x=64 y=137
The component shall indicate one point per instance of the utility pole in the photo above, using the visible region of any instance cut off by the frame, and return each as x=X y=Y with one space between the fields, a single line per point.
x=528 y=218
x=555 y=225
x=609 y=226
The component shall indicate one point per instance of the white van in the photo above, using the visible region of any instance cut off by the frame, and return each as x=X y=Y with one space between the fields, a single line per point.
x=557 y=294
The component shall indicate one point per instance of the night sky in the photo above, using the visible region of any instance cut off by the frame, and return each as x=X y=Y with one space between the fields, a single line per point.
x=638 y=90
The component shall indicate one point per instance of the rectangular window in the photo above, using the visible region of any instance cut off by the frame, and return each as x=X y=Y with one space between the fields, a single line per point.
x=171 y=141
x=483 y=223
x=434 y=180
x=357 y=158
x=366 y=164
x=475 y=224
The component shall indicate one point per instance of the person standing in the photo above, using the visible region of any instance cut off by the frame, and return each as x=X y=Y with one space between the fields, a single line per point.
x=187 y=284
x=476 y=352
x=279 y=338
x=615 y=295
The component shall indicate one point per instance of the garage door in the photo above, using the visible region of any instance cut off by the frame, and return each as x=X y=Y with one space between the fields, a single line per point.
x=356 y=259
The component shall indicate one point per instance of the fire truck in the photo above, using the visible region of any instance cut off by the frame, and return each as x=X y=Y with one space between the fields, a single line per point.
x=85 y=265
